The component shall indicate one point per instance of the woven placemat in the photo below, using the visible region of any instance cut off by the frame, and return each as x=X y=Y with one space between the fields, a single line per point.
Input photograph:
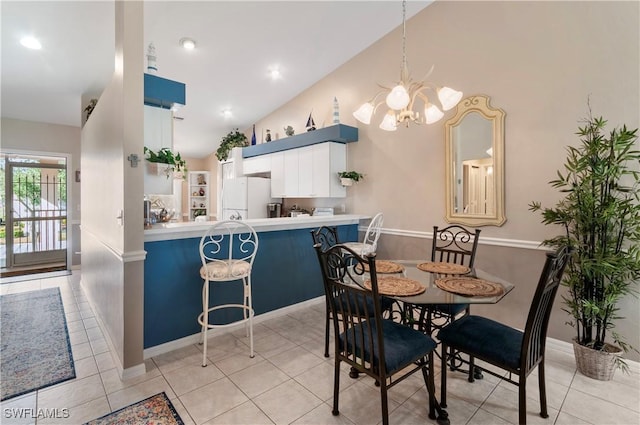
x=469 y=286
x=384 y=266
x=397 y=286
x=443 y=268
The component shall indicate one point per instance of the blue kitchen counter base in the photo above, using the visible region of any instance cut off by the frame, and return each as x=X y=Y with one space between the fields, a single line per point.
x=285 y=272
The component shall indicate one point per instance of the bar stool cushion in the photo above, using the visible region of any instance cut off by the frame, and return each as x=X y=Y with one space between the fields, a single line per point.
x=360 y=247
x=402 y=344
x=225 y=269
x=484 y=338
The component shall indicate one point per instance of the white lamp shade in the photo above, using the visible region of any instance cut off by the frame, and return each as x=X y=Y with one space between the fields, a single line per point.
x=389 y=122
x=398 y=98
x=449 y=97
x=364 y=113
x=432 y=113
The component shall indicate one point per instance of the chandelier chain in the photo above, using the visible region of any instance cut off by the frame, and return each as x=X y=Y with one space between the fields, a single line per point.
x=404 y=39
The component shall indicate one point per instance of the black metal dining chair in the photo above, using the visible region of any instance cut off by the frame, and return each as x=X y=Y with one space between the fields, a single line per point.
x=505 y=347
x=384 y=349
x=453 y=244
x=327 y=236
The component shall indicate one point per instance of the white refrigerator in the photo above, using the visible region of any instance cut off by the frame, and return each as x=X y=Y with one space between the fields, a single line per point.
x=245 y=198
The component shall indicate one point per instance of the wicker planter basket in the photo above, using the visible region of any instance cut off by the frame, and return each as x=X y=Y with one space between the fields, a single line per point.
x=596 y=364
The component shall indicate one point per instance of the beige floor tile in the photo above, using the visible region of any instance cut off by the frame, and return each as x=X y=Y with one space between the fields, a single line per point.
x=258 y=378
x=105 y=361
x=472 y=392
x=72 y=316
x=78 y=337
x=295 y=361
x=596 y=410
x=624 y=395
x=298 y=400
x=99 y=346
x=459 y=410
x=246 y=413
x=76 y=326
x=322 y=415
x=212 y=400
x=85 y=367
x=86 y=314
x=361 y=404
x=72 y=393
x=19 y=410
x=90 y=323
x=81 y=414
x=504 y=404
x=319 y=380
x=274 y=345
x=184 y=356
x=182 y=412
x=94 y=334
x=567 y=419
x=482 y=417
x=191 y=377
x=236 y=362
x=112 y=382
x=81 y=351
x=405 y=415
x=556 y=393
x=139 y=392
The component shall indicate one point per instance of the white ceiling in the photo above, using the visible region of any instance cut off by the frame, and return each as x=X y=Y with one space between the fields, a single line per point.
x=237 y=42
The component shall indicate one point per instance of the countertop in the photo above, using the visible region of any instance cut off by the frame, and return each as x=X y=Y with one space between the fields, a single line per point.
x=192 y=229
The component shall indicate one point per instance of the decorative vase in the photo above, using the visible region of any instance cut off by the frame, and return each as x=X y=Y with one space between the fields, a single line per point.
x=596 y=364
x=346 y=182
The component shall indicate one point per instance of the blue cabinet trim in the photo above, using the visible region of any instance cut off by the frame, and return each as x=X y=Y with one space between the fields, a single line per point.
x=285 y=272
x=336 y=133
x=163 y=93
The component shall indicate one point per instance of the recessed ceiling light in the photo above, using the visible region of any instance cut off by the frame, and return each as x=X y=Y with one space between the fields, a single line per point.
x=226 y=113
x=31 y=43
x=274 y=73
x=188 y=43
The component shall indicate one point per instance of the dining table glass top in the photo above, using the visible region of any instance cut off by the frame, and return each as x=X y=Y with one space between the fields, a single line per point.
x=434 y=294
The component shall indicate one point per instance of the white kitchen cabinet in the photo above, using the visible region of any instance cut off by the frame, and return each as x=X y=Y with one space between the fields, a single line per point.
x=199 y=189
x=284 y=174
x=256 y=165
x=318 y=170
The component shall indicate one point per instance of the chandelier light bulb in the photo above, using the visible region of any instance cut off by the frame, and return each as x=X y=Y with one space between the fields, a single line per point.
x=449 y=97
x=364 y=113
x=389 y=122
x=398 y=98
x=432 y=113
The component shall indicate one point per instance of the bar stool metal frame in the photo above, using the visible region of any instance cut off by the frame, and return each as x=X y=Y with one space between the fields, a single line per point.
x=370 y=242
x=227 y=251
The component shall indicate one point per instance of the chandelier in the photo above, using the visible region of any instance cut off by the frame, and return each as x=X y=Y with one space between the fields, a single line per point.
x=401 y=99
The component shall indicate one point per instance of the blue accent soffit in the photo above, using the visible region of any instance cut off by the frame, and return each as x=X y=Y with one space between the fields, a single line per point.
x=336 y=133
x=162 y=92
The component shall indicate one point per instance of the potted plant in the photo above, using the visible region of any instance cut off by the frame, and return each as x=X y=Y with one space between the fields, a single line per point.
x=175 y=163
x=231 y=140
x=600 y=217
x=348 y=177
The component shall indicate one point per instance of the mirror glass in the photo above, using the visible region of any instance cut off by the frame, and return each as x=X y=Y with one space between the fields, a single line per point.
x=475 y=164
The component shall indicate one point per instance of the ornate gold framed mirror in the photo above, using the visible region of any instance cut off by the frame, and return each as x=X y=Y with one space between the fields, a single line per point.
x=474 y=155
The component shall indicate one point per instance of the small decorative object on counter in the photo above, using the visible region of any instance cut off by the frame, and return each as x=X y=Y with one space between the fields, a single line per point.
x=311 y=125
x=201 y=179
x=336 y=111
x=268 y=136
x=289 y=131
x=201 y=192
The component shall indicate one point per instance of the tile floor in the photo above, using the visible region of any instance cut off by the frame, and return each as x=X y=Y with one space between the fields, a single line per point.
x=290 y=382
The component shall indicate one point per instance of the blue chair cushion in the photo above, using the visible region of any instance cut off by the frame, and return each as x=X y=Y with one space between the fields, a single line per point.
x=484 y=338
x=450 y=309
x=402 y=344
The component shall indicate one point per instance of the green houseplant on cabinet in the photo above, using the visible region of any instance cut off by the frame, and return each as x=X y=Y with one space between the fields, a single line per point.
x=348 y=177
x=232 y=140
x=175 y=163
x=600 y=215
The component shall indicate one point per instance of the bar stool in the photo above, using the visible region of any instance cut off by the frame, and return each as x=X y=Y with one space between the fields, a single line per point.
x=227 y=251
x=370 y=242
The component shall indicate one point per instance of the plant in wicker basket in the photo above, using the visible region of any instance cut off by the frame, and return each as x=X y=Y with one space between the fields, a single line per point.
x=600 y=216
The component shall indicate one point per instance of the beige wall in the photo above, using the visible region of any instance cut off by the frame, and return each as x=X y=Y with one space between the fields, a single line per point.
x=37 y=137
x=112 y=260
x=540 y=62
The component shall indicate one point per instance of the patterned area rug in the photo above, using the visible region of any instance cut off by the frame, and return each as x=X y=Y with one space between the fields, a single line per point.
x=36 y=351
x=154 y=410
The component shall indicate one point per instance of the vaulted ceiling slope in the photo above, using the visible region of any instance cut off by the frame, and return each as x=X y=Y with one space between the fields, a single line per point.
x=237 y=42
